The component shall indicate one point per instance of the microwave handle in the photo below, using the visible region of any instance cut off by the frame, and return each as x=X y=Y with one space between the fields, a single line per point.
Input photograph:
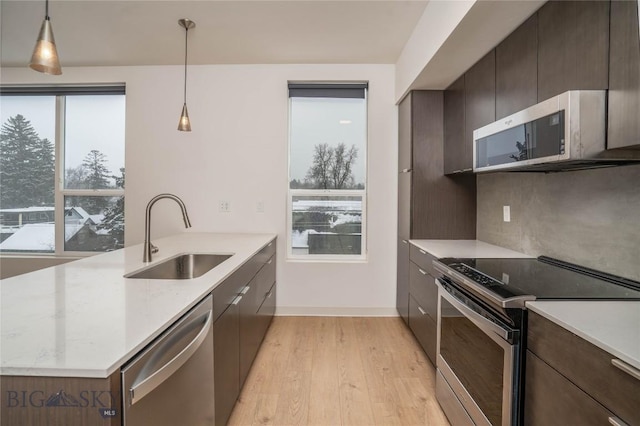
x=483 y=323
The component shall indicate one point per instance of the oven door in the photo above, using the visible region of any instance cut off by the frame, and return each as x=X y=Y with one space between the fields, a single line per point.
x=477 y=356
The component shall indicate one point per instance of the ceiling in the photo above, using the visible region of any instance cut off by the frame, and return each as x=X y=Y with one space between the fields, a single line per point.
x=127 y=32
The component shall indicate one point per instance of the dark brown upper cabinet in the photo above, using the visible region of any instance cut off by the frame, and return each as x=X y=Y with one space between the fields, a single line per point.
x=573 y=47
x=454 y=152
x=517 y=69
x=405 y=135
x=479 y=102
x=624 y=77
x=431 y=205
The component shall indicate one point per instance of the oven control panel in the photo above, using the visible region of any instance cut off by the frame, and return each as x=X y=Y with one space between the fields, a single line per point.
x=475 y=276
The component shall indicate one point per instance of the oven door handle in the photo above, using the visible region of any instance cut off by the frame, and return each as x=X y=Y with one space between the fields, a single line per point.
x=484 y=324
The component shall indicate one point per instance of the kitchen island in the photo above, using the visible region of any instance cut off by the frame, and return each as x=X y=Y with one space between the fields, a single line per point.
x=65 y=331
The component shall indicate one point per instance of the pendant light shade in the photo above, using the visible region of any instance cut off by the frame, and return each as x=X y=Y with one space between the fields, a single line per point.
x=45 y=54
x=184 y=125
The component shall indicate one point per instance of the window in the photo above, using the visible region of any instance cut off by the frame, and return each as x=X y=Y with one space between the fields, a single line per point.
x=62 y=169
x=327 y=171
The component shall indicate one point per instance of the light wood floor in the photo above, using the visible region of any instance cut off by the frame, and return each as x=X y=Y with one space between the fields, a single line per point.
x=339 y=371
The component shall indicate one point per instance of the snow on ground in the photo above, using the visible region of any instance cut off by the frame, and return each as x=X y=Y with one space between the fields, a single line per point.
x=326 y=205
x=300 y=239
x=341 y=218
x=37 y=237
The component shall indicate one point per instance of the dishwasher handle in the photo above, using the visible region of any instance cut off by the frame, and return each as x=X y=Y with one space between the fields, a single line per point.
x=145 y=386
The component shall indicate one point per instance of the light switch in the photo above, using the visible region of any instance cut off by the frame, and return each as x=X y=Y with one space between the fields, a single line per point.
x=506 y=213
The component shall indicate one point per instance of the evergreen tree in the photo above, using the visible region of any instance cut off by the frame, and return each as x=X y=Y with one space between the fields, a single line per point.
x=26 y=165
x=114 y=216
x=97 y=173
x=45 y=169
x=97 y=177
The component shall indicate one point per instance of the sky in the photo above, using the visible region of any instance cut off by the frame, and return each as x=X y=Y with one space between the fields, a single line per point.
x=93 y=122
x=318 y=120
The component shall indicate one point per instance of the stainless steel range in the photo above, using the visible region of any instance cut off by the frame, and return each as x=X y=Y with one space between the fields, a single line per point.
x=482 y=327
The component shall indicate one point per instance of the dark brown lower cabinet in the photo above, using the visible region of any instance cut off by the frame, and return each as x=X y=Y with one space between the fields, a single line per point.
x=402 y=286
x=267 y=310
x=423 y=309
x=423 y=327
x=567 y=375
x=239 y=330
x=226 y=362
x=551 y=399
x=250 y=336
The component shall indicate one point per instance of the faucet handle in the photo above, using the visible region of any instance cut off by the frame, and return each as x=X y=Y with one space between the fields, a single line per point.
x=154 y=249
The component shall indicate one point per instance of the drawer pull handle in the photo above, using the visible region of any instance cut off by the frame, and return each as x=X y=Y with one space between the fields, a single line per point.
x=632 y=371
x=422 y=311
x=245 y=290
x=422 y=272
x=405 y=241
x=236 y=300
x=269 y=262
x=617 y=422
x=423 y=252
x=270 y=244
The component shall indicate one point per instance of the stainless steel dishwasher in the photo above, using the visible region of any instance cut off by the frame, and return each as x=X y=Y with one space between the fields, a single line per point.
x=171 y=381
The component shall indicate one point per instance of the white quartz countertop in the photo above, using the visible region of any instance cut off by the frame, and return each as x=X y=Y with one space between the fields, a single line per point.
x=465 y=249
x=612 y=326
x=84 y=319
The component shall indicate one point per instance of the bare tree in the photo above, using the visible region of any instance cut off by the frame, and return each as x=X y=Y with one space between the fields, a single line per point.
x=342 y=165
x=332 y=168
x=75 y=177
x=320 y=172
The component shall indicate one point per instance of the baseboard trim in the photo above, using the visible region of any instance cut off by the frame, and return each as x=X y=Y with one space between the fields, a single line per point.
x=302 y=311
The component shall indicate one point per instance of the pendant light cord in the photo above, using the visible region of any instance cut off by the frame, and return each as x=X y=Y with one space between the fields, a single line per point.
x=186 y=33
x=46 y=9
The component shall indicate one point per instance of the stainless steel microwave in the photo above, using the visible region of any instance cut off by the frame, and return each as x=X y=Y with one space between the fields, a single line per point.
x=565 y=132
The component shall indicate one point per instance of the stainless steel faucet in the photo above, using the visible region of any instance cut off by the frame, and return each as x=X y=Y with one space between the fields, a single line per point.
x=148 y=247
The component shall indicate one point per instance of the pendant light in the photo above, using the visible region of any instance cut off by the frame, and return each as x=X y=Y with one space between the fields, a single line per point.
x=45 y=54
x=184 y=125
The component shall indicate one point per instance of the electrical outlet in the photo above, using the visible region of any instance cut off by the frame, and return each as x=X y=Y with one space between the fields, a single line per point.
x=260 y=207
x=224 y=206
x=506 y=213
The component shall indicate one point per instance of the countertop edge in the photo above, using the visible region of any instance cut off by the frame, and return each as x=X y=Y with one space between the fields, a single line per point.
x=465 y=248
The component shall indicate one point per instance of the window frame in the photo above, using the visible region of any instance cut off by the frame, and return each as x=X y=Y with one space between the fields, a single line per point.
x=60 y=93
x=363 y=193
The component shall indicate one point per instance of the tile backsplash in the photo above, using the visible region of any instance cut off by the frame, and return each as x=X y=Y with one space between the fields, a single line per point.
x=589 y=217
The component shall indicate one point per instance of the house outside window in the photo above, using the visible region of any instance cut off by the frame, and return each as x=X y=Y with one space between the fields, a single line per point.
x=62 y=169
x=327 y=195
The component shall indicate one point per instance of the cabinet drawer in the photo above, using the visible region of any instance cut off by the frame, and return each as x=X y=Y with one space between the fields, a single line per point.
x=265 y=279
x=424 y=290
x=424 y=328
x=551 y=399
x=266 y=252
x=229 y=289
x=424 y=260
x=266 y=311
x=586 y=365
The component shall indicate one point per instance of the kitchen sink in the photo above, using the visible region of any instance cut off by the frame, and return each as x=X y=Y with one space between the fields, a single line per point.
x=181 y=267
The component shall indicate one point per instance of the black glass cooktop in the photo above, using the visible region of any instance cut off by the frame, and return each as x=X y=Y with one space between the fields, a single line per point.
x=544 y=278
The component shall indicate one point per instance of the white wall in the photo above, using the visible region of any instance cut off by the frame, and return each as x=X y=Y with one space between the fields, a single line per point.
x=237 y=151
